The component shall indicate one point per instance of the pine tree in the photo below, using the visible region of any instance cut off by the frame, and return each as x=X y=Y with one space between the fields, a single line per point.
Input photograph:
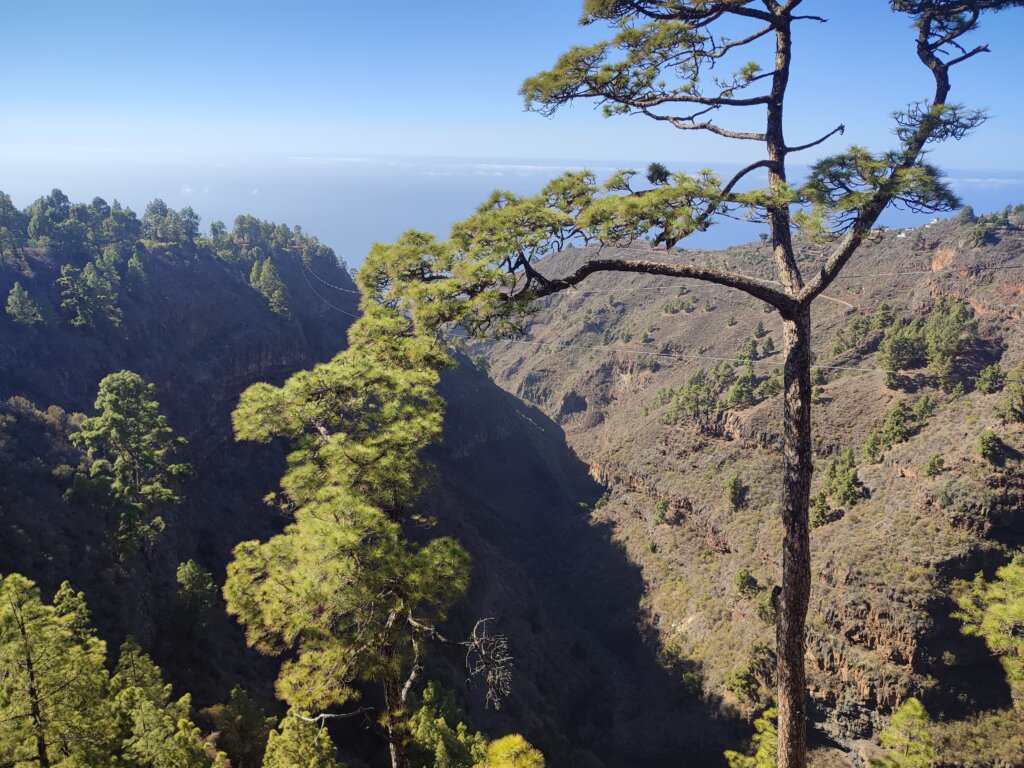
x=512 y=752
x=765 y=745
x=907 y=739
x=21 y=308
x=342 y=588
x=994 y=611
x=135 y=274
x=266 y=280
x=243 y=727
x=196 y=590
x=53 y=683
x=298 y=743
x=154 y=729
x=91 y=293
x=128 y=445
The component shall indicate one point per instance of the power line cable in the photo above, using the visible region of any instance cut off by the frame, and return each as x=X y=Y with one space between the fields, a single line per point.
x=325 y=301
x=689 y=356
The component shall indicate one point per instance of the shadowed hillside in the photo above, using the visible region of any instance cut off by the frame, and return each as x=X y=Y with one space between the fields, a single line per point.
x=668 y=391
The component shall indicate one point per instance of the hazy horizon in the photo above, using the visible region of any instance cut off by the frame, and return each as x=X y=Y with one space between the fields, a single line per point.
x=351 y=201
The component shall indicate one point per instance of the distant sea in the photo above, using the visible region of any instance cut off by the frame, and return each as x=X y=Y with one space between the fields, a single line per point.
x=352 y=202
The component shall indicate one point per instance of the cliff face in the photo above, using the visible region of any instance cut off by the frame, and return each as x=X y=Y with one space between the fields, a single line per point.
x=607 y=363
x=588 y=688
x=201 y=335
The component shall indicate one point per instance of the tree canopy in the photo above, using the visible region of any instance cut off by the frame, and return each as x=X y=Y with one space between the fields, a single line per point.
x=129 y=446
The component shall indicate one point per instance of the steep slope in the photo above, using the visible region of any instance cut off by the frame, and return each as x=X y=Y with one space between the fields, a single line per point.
x=609 y=364
x=201 y=334
x=588 y=688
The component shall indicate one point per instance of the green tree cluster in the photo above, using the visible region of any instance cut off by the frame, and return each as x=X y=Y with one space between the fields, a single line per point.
x=300 y=743
x=938 y=340
x=1011 y=407
x=242 y=727
x=59 y=706
x=342 y=589
x=901 y=423
x=842 y=485
x=91 y=293
x=860 y=328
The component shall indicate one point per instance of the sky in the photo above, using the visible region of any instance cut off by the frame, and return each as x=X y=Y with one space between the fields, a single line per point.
x=230 y=106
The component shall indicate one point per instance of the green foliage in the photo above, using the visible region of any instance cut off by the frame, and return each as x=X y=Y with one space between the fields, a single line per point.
x=264 y=278
x=341 y=590
x=991 y=379
x=660 y=511
x=901 y=423
x=860 y=328
x=53 y=683
x=1011 y=407
x=331 y=611
x=741 y=393
x=155 y=729
x=298 y=743
x=135 y=274
x=768 y=388
x=128 y=445
x=736 y=490
x=991 y=446
x=907 y=740
x=658 y=174
x=20 y=307
x=939 y=340
x=697 y=400
x=820 y=512
x=511 y=751
x=765 y=608
x=949 y=330
x=439 y=737
x=994 y=611
x=841 y=480
x=903 y=347
x=242 y=728
x=748 y=352
x=91 y=293
x=935 y=466
x=196 y=590
x=764 y=744
x=992 y=738
x=742 y=684
x=746 y=584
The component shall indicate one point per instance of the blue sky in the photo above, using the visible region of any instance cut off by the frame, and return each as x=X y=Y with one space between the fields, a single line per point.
x=440 y=78
x=273 y=107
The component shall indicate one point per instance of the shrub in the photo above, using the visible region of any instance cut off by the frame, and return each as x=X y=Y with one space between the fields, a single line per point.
x=765 y=608
x=935 y=466
x=991 y=379
x=736 y=491
x=990 y=446
x=746 y=584
x=1011 y=407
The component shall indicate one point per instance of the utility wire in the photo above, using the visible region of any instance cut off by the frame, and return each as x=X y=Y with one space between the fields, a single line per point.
x=688 y=356
x=325 y=301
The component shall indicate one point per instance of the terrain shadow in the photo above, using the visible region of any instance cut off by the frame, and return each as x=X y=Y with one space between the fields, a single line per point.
x=588 y=689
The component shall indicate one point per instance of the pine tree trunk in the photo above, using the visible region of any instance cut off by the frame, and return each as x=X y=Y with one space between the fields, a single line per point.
x=796 y=551
x=396 y=738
